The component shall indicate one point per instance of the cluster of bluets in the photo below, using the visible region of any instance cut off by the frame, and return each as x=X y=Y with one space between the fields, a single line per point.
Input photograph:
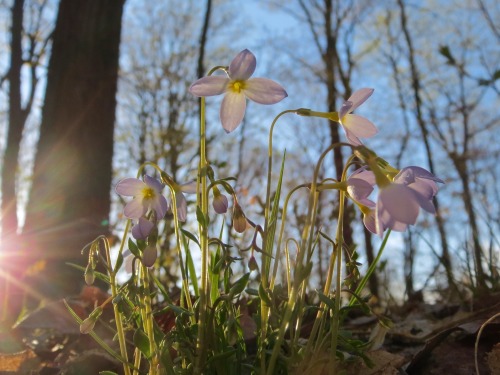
x=401 y=193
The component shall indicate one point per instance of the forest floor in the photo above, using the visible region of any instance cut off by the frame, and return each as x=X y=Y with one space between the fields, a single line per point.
x=422 y=339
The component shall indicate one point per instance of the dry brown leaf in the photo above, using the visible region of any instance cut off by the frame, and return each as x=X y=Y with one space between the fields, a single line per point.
x=493 y=359
x=19 y=363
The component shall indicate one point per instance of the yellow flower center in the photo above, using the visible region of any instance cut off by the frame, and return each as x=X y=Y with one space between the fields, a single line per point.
x=148 y=193
x=237 y=86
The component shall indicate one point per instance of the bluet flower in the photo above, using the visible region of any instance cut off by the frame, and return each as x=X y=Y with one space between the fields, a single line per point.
x=355 y=126
x=237 y=87
x=147 y=196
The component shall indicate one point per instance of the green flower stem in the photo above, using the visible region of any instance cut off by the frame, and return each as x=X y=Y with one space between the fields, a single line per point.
x=371 y=269
x=148 y=322
x=307 y=241
x=280 y=237
x=137 y=361
x=114 y=293
x=203 y=205
x=185 y=278
x=338 y=287
x=268 y=239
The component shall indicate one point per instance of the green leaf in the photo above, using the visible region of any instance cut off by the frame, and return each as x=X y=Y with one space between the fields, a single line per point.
x=252 y=291
x=201 y=217
x=133 y=248
x=141 y=341
x=240 y=285
x=326 y=300
x=119 y=261
x=191 y=236
x=264 y=297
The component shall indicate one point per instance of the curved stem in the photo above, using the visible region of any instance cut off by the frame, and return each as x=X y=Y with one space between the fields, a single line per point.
x=306 y=243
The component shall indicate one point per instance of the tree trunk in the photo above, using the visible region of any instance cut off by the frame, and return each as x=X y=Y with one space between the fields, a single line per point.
x=70 y=197
x=17 y=118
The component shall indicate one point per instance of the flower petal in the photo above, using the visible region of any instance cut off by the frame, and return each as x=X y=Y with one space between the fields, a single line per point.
x=142 y=229
x=345 y=109
x=358 y=189
x=426 y=188
x=189 y=187
x=181 y=202
x=134 y=209
x=264 y=91
x=409 y=174
x=130 y=187
x=209 y=86
x=359 y=97
x=399 y=202
x=364 y=174
x=232 y=110
x=369 y=221
x=153 y=183
x=242 y=66
x=359 y=126
x=160 y=205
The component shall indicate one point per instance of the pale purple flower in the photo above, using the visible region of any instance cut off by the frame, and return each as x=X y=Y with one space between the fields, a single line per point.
x=422 y=182
x=237 y=87
x=360 y=185
x=180 y=199
x=399 y=203
x=147 y=197
x=142 y=229
x=355 y=126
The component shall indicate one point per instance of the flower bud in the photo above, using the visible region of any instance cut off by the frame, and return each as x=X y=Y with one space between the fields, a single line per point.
x=89 y=274
x=88 y=324
x=252 y=264
x=239 y=219
x=220 y=202
x=149 y=256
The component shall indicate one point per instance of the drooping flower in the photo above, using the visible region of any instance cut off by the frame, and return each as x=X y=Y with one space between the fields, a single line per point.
x=422 y=182
x=237 y=87
x=355 y=126
x=399 y=203
x=147 y=196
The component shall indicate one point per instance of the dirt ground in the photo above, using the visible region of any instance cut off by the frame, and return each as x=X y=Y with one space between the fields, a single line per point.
x=422 y=339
